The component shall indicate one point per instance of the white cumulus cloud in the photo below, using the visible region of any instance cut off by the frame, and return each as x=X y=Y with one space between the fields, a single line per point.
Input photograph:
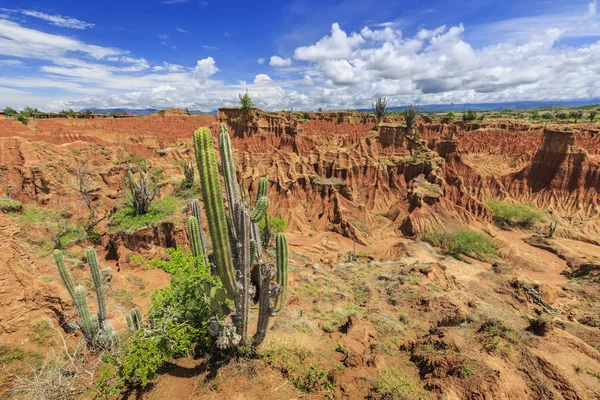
x=277 y=61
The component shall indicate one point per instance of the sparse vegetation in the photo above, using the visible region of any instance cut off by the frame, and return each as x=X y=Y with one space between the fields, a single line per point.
x=470 y=115
x=129 y=220
x=509 y=215
x=8 y=205
x=463 y=242
x=394 y=385
x=142 y=193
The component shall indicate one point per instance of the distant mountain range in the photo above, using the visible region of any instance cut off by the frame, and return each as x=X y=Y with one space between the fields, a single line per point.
x=436 y=108
x=137 y=111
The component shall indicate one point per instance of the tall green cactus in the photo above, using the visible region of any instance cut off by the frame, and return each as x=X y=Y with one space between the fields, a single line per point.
x=195 y=239
x=98 y=284
x=236 y=240
x=281 y=251
x=215 y=209
x=64 y=273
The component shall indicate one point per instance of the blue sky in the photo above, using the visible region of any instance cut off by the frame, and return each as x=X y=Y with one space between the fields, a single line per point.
x=302 y=54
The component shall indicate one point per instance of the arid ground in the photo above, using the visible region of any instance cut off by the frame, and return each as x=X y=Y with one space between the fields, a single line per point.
x=407 y=317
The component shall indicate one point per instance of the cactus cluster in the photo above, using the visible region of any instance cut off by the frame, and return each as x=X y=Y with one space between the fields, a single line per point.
x=188 y=172
x=236 y=240
x=142 y=192
x=97 y=332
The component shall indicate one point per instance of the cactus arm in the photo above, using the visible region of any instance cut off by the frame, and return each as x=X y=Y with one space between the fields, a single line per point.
x=215 y=209
x=129 y=323
x=281 y=250
x=229 y=171
x=195 y=239
x=242 y=303
x=64 y=274
x=84 y=314
x=259 y=212
x=196 y=212
x=263 y=187
x=98 y=284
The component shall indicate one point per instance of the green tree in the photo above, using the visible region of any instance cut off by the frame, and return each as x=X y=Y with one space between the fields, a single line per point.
x=10 y=111
x=379 y=108
x=470 y=115
x=246 y=103
x=450 y=116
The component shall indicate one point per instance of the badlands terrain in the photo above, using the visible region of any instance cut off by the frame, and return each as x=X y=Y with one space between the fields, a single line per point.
x=378 y=305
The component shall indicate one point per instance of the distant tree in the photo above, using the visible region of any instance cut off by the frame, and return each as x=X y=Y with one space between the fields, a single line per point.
x=451 y=116
x=246 y=103
x=576 y=115
x=535 y=115
x=548 y=116
x=561 y=115
x=411 y=117
x=592 y=116
x=10 y=111
x=380 y=108
x=470 y=115
x=21 y=118
x=28 y=110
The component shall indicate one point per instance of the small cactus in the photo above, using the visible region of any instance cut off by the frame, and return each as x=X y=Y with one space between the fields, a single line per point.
x=188 y=172
x=263 y=187
x=64 y=274
x=141 y=192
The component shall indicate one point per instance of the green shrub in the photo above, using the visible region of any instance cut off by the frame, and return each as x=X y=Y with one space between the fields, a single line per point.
x=179 y=314
x=276 y=224
x=9 y=205
x=470 y=115
x=464 y=241
x=129 y=220
x=393 y=384
x=507 y=214
x=246 y=103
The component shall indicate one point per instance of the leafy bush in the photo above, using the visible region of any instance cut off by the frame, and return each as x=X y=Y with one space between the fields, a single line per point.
x=451 y=116
x=393 y=384
x=470 y=115
x=464 y=241
x=276 y=224
x=520 y=215
x=178 y=314
x=292 y=363
x=128 y=219
x=9 y=205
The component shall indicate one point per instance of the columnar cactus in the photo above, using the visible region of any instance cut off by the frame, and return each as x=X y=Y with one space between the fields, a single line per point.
x=97 y=332
x=141 y=192
x=64 y=274
x=196 y=243
x=195 y=211
x=134 y=320
x=88 y=328
x=98 y=284
x=263 y=187
x=215 y=208
x=281 y=251
x=236 y=239
x=188 y=172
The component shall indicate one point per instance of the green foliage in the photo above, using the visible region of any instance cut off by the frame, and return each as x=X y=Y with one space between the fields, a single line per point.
x=393 y=384
x=498 y=337
x=22 y=119
x=507 y=214
x=8 y=354
x=9 y=205
x=451 y=116
x=129 y=220
x=276 y=224
x=292 y=362
x=548 y=116
x=9 y=111
x=178 y=316
x=380 y=108
x=464 y=241
x=246 y=103
x=94 y=237
x=470 y=115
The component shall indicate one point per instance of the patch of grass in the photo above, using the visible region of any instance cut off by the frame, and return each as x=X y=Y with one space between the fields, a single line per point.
x=584 y=369
x=292 y=362
x=509 y=215
x=136 y=280
x=122 y=297
x=393 y=384
x=464 y=241
x=128 y=220
x=41 y=333
x=8 y=354
x=34 y=215
x=9 y=205
x=498 y=337
x=276 y=224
